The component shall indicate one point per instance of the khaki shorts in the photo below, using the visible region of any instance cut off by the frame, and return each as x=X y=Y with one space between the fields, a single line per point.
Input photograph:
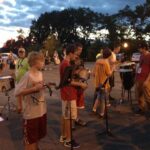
x=66 y=109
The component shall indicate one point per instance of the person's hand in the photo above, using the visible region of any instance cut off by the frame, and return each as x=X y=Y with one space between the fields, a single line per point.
x=145 y=84
x=83 y=85
x=39 y=86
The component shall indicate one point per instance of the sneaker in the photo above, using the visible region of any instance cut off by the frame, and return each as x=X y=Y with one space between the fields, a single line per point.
x=140 y=112
x=62 y=139
x=101 y=116
x=80 y=122
x=108 y=105
x=74 y=144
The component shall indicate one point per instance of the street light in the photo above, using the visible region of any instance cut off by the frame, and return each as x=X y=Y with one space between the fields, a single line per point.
x=125 y=45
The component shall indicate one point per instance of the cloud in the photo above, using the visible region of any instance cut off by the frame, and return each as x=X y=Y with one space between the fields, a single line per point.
x=11 y=10
x=10 y=33
x=20 y=13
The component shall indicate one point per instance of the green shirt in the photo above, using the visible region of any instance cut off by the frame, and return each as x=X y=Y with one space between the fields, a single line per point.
x=22 y=67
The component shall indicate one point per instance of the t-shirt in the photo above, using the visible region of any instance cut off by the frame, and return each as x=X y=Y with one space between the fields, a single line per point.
x=101 y=72
x=34 y=105
x=112 y=60
x=22 y=67
x=67 y=92
x=144 y=68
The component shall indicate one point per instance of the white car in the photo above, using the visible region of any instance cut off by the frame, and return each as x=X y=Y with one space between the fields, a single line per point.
x=5 y=56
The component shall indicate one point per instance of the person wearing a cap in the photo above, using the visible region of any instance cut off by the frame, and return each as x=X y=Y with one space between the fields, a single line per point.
x=22 y=67
x=142 y=76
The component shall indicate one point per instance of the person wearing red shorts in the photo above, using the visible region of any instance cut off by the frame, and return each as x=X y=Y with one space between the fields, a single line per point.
x=80 y=91
x=31 y=88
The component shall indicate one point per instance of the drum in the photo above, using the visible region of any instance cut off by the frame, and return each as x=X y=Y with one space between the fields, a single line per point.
x=127 y=74
x=82 y=74
x=6 y=83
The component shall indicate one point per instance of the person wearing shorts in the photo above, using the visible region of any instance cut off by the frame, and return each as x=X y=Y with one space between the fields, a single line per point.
x=31 y=89
x=102 y=71
x=69 y=96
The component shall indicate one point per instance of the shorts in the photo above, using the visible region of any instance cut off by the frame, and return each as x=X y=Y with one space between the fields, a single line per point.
x=34 y=129
x=80 y=99
x=66 y=109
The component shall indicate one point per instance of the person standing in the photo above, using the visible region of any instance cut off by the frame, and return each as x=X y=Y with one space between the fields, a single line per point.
x=80 y=92
x=113 y=61
x=22 y=67
x=102 y=72
x=142 y=75
x=69 y=96
x=31 y=89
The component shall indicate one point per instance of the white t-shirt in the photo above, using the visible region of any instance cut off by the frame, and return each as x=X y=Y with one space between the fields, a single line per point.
x=34 y=105
x=112 y=60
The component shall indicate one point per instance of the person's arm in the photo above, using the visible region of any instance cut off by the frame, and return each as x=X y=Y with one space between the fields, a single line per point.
x=108 y=70
x=147 y=81
x=78 y=84
x=22 y=89
x=31 y=90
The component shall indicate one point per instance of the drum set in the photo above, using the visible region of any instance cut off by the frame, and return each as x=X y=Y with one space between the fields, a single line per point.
x=6 y=85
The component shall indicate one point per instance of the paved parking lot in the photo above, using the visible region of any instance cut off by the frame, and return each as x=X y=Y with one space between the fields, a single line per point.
x=131 y=131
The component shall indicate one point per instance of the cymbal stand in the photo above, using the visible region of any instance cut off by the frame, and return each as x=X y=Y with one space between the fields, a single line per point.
x=8 y=107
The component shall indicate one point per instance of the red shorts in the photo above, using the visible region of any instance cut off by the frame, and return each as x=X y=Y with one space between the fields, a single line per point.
x=80 y=99
x=34 y=129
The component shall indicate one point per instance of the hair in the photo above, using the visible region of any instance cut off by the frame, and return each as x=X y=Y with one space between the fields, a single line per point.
x=34 y=56
x=78 y=45
x=70 y=49
x=143 y=45
x=106 y=52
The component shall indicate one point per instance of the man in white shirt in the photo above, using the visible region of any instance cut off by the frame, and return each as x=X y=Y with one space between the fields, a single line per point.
x=113 y=62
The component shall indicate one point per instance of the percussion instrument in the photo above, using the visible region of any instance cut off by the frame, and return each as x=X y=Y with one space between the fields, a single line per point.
x=82 y=74
x=127 y=74
x=6 y=83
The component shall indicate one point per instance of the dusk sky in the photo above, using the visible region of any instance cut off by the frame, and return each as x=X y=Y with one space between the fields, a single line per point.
x=16 y=14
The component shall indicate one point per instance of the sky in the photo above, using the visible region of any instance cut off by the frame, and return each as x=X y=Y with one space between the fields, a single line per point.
x=16 y=14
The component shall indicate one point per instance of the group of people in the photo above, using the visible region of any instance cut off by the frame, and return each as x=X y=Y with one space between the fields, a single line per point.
x=30 y=87
x=29 y=91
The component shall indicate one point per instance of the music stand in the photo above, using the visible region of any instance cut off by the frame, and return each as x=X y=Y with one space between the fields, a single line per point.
x=9 y=106
x=107 y=131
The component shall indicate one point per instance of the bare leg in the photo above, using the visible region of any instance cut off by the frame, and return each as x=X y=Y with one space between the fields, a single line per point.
x=95 y=105
x=31 y=146
x=63 y=133
x=67 y=130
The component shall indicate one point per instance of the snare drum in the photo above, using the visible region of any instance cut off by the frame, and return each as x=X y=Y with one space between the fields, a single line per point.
x=6 y=83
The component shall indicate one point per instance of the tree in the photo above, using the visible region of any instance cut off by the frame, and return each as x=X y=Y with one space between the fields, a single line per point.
x=69 y=25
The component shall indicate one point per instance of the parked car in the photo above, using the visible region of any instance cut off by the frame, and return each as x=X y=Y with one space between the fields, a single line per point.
x=5 y=56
